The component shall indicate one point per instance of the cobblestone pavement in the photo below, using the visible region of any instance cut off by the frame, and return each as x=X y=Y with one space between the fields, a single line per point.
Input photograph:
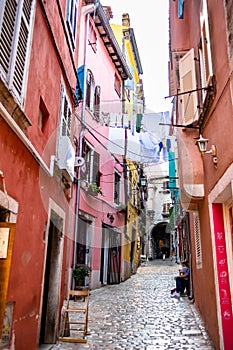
x=140 y=314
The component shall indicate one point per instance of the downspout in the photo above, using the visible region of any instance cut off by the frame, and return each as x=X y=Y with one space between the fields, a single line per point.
x=86 y=11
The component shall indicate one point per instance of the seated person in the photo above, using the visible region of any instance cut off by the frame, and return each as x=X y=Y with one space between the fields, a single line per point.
x=182 y=281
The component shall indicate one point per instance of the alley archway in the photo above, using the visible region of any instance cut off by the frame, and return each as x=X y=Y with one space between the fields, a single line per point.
x=160 y=240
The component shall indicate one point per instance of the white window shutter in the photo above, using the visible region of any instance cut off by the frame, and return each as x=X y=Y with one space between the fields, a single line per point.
x=7 y=26
x=188 y=101
x=65 y=114
x=205 y=52
x=15 y=25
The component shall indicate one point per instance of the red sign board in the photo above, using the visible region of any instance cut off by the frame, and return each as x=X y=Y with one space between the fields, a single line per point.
x=223 y=276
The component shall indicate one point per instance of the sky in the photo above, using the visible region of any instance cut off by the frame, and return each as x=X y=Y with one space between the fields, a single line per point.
x=150 y=25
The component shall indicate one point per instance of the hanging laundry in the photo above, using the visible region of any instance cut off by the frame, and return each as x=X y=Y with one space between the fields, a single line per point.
x=168 y=145
x=149 y=147
x=139 y=122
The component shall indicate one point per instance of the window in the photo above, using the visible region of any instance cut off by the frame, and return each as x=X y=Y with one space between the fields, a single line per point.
x=15 y=30
x=188 y=101
x=71 y=18
x=66 y=114
x=117 y=188
x=97 y=103
x=117 y=85
x=91 y=171
x=90 y=93
x=197 y=240
x=43 y=116
x=166 y=208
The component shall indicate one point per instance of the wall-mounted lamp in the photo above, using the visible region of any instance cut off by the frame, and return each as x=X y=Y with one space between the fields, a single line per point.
x=110 y=217
x=143 y=181
x=202 y=145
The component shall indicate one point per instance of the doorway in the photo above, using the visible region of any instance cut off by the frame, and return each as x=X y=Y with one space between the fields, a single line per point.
x=110 y=256
x=52 y=277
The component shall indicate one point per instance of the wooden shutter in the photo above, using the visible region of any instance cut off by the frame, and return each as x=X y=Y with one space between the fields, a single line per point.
x=206 y=59
x=14 y=41
x=188 y=101
x=7 y=33
x=22 y=46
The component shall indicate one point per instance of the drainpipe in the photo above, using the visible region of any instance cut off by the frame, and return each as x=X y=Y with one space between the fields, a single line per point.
x=86 y=11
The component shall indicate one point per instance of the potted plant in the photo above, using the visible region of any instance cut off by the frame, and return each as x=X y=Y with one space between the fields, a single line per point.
x=94 y=189
x=79 y=273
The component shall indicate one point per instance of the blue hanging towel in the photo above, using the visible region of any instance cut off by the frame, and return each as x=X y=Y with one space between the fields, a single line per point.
x=181 y=9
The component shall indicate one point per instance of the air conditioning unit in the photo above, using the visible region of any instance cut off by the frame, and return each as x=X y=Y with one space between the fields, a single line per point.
x=66 y=157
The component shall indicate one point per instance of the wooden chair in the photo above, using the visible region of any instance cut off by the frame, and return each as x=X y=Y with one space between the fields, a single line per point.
x=76 y=317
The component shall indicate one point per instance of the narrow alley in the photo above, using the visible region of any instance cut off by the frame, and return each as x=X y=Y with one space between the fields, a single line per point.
x=140 y=314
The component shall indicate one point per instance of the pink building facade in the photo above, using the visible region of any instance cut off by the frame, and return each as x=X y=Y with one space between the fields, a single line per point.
x=201 y=85
x=102 y=69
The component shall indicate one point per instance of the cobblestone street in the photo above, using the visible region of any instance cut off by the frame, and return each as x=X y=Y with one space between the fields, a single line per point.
x=140 y=314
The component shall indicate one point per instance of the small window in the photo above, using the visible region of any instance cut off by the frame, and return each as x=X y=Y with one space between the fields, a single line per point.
x=71 y=18
x=97 y=103
x=117 y=85
x=91 y=172
x=117 y=188
x=43 y=116
x=90 y=92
